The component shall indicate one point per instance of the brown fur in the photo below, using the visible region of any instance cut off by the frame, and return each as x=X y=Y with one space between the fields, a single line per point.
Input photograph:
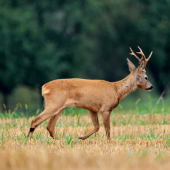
x=97 y=96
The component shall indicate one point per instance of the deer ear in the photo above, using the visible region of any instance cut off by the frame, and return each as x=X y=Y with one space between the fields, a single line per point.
x=130 y=65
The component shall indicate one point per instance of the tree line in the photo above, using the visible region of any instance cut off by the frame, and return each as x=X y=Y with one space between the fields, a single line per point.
x=45 y=40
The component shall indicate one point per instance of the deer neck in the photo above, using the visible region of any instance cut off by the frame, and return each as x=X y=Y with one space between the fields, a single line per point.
x=126 y=86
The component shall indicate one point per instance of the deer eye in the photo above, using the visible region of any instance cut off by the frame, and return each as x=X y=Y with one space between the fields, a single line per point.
x=146 y=78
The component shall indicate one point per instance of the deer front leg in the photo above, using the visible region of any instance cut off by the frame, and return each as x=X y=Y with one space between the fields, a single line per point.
x=106 y=123
x=94 y=118
x=52 y=123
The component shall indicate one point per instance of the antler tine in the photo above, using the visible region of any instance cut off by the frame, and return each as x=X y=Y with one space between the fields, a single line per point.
x=141 y=53
x=149 y=57
x=132 y=53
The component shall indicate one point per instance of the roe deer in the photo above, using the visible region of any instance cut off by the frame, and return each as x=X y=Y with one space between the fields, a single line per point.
x=94 y=95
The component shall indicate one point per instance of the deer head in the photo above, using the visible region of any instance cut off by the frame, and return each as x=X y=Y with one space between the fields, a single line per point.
x=141 y=77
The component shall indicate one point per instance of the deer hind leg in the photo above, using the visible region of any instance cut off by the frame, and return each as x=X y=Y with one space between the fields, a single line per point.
x=54 y=104
x=106 y=123
x=47 y=113
x=52 y=123
x=94 y=118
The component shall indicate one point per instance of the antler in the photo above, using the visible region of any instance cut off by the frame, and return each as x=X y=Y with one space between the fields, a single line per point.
x=132 y=53
x=149 y=56
x=144 y=58
x=141 y=53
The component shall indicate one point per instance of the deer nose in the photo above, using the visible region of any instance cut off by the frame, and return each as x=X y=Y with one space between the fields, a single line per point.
x=150 y=88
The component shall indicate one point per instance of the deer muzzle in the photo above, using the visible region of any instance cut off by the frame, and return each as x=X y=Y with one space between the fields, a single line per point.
x=150 y=88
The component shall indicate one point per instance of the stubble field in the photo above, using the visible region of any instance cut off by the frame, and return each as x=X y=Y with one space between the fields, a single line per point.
x=137 y=142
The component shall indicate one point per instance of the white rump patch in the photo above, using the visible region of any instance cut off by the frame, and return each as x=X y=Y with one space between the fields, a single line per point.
x=45 y=91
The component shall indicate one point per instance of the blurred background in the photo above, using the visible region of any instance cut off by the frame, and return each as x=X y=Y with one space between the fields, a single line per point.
x=45 y=40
